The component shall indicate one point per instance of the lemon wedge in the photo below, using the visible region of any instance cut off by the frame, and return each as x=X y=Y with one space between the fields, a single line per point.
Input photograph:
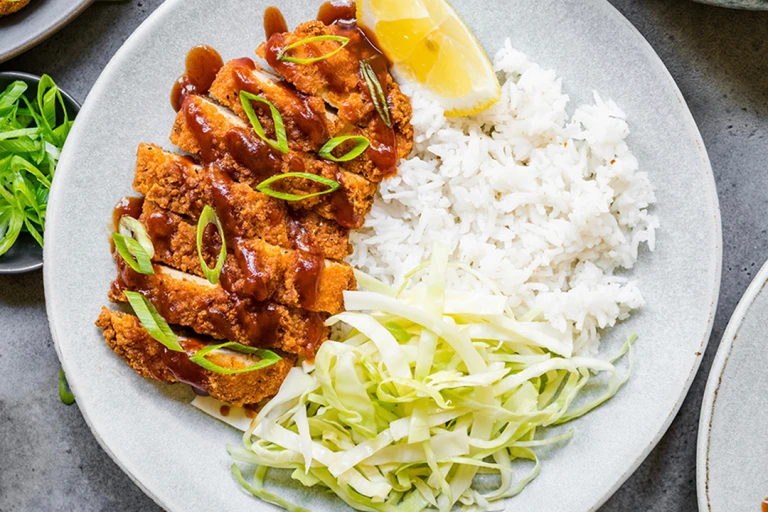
x=428 y=43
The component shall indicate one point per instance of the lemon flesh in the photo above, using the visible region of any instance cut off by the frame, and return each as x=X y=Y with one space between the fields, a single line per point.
x=429 y=44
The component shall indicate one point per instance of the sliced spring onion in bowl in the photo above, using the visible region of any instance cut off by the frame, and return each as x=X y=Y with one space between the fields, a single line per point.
x=410 y=403
x=35 y=119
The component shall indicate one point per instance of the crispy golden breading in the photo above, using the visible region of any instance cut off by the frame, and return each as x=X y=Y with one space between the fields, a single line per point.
x=283 y=273
x=225 y=130
x=125 y=335
x=129 y=340
x=245 y=74
x=9 y=6
x=190 y=301
x=308 y=125
x=336 y=78
x=277 y=273
x=175 y=183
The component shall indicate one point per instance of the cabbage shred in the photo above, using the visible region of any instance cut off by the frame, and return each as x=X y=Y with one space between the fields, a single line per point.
x=407 y=409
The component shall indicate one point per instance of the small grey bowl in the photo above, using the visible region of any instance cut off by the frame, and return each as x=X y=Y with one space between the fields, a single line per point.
x=26 y=254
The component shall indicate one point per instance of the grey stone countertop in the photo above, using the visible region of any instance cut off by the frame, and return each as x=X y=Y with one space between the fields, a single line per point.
x=49 y=461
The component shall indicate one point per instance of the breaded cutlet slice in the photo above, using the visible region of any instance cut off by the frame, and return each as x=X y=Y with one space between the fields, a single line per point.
x=336 y=79
x=128 y=339
x=293 y=278
x=308 y=125
x=176 y=183
x=190 y=301
x=245 y=74
x=251 y=161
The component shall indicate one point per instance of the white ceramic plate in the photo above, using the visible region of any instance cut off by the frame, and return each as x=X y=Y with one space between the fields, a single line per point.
x=732 y=458
x=34 y=23
x=175 y=453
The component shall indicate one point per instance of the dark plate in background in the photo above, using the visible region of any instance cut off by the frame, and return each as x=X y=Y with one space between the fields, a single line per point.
x=31 y=25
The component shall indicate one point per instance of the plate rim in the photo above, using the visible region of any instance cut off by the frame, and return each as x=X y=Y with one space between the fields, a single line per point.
x=717 y=257
x=738 y=7
x=715 y=380
x=718 y=271
x=46 y=32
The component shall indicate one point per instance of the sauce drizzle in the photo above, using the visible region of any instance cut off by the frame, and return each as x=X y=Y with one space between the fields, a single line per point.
x=202 y=65
x=330 y=13
x=161 y=228
x=182 y=368
x=202 y=131
x=274 y=22
x=126 y=207
x=295 y=106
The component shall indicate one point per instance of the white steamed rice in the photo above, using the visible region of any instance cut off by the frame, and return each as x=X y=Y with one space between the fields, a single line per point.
x=546 y=205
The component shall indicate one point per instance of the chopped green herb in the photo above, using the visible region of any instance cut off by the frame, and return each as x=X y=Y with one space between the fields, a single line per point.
x=286 y=58
x=67 y=398
x=133 y=254
x=134 y=245
x=268 y=358
x=361 y=144
x=264 y=186
x=209 y=217
x=377 y=92
x=151 y=320
x=281 y=144
x=31 y=138
x=130 y=227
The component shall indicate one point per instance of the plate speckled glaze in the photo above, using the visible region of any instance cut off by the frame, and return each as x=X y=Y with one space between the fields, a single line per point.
x=176 y=454
x=752 y=5
x=34 y=23
x=732 y=450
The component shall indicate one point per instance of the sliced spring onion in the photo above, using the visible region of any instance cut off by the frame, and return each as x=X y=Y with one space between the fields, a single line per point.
x=377 y=92
x=151 y=320
x=65 y=394
x=209 y=217
x=133 y=253
x=263 y=187
x=281 y=144
x=361 y=144
x=130 y=227
x=286 y=58
x=268 y=358
x=31 y=138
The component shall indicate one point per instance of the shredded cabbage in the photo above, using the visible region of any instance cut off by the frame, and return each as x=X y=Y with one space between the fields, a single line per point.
x=417 y=399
